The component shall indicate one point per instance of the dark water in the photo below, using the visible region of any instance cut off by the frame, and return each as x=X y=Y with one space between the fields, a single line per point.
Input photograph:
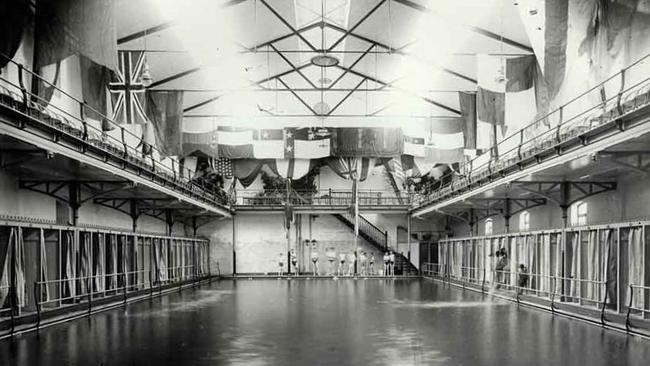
x=324 y=322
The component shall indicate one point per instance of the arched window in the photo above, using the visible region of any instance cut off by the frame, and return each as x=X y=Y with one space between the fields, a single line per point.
x=524 y=221
x=578 y=212
x=488 y=226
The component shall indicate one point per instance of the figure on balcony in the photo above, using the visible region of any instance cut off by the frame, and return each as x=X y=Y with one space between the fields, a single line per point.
x=314 y=257
x=331 y=258
x=341 y=269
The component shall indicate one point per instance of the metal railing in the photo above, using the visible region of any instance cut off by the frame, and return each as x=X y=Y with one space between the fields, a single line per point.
x=586 y=112
x=98 y=132
x=331 y=197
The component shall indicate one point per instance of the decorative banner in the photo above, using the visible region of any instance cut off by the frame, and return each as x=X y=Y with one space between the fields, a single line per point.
x=291 y=168
x=468 y=113
x=127 y=90
x=505 y=96
x=234 y=143
x=165 y=111
x=246 y=170
x=442 y=143
x=13 y=18
x=367 y=142
x=203 y=142
x=81 y=27
x=351 y=168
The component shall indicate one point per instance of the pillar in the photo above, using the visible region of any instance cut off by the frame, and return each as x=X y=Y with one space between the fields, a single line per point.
x=234 y=254
x=169 y=220
x=74 y=200
x=471 y=222
x=565 y=198
x=507 y=209
x=133 y=212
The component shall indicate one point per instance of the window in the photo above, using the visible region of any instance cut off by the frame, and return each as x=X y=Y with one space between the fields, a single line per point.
x=524 y=221
x=579 y=213
x=488 y=227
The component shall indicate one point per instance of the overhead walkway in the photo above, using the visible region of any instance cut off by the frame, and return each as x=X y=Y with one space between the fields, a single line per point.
x=323 y=201
x=78 y=159
x=608 y=121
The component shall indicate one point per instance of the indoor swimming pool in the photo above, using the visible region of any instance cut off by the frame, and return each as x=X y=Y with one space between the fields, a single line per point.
x=324 y=322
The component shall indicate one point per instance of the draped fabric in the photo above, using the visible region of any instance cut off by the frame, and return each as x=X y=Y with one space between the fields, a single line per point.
x=205 y=142
x=84 y=263
x=99 y=250
x=609 y=266
x=44 y=294
x=351 y=167
x=94 y=86
x=571 y=254
x=468 y=113
x=137 y=276
x=246 y=170
x=592 y=267
x=111 y=260
x=291 y=168
x=558 y=270
x=83 y=27
x=13 y=19
x=165 y=111
x=545 y=262
x=367 y=142
x=160 y=257
x=122 y=250
x=69 y=264
x=635 y=262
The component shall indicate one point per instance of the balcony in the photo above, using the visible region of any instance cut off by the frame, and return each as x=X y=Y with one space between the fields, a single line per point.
x=591 y=123
x=47 y=146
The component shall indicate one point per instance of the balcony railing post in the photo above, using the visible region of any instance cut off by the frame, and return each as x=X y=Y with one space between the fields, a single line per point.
x=21 y=82
x=559 y=124
x=82 y=109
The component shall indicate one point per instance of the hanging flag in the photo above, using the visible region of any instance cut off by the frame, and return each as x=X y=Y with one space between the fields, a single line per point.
x=443 y=142
x=414 y=145
x=94 y=85
x=505 y=96
x=367 y=142
x=81 y=27
x=312 y=143
x=546 y=24
x=235 y=143
x=222 y=166
x=13 y=19
x=468 y=115
x=165 y=111
x=269 y=144
x=205 y=142
x=127 y=90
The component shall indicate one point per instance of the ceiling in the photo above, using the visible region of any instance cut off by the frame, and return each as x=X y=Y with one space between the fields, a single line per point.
x=250 y=60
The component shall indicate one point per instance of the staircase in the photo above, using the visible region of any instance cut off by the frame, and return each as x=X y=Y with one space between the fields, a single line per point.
x=379 y=239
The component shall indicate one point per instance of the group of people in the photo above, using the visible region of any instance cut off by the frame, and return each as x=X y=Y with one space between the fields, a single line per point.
x=501 y=266
x=340 y=264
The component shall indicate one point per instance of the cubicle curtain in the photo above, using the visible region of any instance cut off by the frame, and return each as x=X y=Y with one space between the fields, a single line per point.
x=84 y=263
x=136 y=258
x=111 y=269
x=571 y=259
x=610 y=264
x=544 y=262
x=122 y=257
x=635 y=267
x=69 y=258
x=44 y=289
x=98 y=258
x=13 y=258
x=558 y=271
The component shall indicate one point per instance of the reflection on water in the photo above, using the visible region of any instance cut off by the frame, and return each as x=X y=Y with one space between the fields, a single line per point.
x=442 y=304
x=324 y=322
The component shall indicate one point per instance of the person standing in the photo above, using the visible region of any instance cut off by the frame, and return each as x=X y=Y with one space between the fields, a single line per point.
x=363 y=261
x=391 y=263
x=314 y=257
x=331 y=258
x=386 y=263
x=294 y=260
x=523 y=278
x=280 y=260
x=371 y=264
x=352 y=258
x=341 y=269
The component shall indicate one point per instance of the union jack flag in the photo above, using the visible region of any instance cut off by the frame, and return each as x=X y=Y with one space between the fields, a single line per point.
x=127 y=90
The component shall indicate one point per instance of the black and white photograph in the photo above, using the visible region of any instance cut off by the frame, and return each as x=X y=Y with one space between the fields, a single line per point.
x=325 y=182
